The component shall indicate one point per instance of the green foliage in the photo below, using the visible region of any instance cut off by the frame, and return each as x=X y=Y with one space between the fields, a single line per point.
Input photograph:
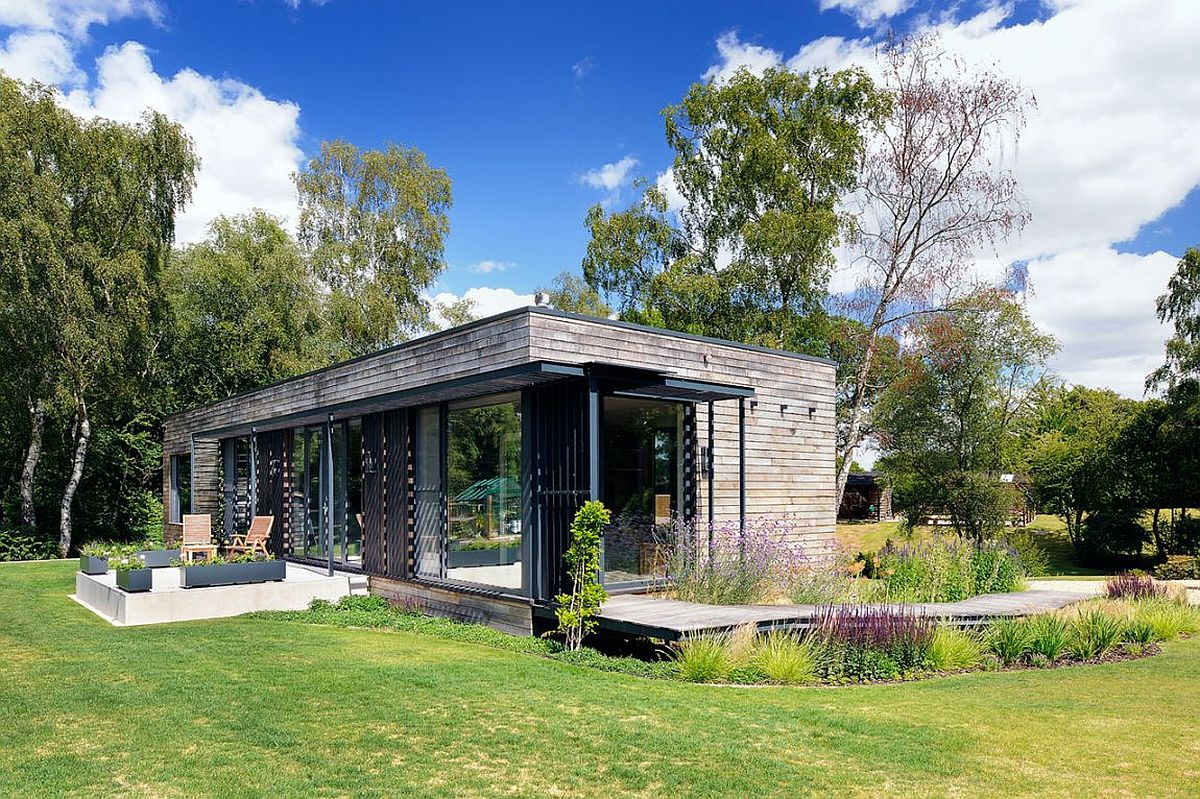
x=785 y=659
x=1094 y=634
x=576 y=611
x=761 y=162
x=1139 y=632
x=946 y=425
x=1009 y=639
x=1031 y=556
x=945 y=569
x=1179 y=567
x=571 y=292
x=953 y=649
x=1049 y=636
x=1180 y=306
x=1168 y=620
x=246 y=311
x=221 y=560
x=702 y=658
x=25 y=545
x=374 y=223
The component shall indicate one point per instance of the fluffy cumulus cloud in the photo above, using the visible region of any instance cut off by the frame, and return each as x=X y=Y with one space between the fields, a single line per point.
x=610 y=177
x=868 y=12
x=484 y=301
x=247 y=142
x=1109 y=148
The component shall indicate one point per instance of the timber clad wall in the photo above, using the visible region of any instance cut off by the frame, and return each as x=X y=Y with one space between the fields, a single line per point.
x=789 y=452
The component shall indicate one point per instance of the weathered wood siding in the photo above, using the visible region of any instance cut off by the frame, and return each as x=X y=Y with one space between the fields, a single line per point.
x=789 y=453
x=789 y=448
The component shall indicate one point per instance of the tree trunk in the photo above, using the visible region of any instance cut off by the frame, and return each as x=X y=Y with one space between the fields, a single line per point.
x=856 y=413
x=37 y=417
x=83 y=432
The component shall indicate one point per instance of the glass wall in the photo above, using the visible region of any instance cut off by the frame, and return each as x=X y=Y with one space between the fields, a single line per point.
x=312 y=482
x=427 y=439
x=483 y=491
x=642 y=461
x=181 y=486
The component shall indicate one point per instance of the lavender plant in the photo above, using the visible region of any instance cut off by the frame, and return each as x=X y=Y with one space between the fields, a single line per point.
x=1133 y=586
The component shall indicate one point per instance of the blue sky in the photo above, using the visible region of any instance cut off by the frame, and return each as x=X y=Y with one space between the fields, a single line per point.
x=538 y=110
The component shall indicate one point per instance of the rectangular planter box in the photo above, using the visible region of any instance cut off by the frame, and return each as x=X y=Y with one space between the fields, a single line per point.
x=158 y=558
x=90 y=565
x=232 y=573
x=496 y=556
x=134 y=580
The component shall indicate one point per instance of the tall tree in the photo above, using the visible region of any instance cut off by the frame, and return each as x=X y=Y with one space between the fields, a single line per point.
x=1180 y=306
x=246 y=311
x=374 y=223
x=760 y=163
x=89 y=218
x=948 y=424
x=933 y=193
x=571 y=292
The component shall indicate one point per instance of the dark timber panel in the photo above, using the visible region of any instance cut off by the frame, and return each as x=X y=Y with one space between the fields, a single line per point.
x=273 y=451
x=373 y=493
x=558 y=475
x=396 y=460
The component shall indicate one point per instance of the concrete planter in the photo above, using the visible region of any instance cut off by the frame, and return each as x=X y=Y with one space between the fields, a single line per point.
x=90 y=565
x=134 y=580
x=158 y=558
x=496 y=556
x=259 y=571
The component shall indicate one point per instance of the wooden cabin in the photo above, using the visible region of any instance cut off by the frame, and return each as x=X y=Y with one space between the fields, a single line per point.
x=448 y=468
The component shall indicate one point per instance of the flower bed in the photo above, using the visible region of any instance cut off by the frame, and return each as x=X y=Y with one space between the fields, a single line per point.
x=219 y=571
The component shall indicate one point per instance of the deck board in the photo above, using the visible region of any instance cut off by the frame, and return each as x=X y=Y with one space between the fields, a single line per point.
x=671 y=619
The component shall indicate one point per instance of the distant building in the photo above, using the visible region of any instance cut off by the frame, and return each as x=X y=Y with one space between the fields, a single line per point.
x=866 y=498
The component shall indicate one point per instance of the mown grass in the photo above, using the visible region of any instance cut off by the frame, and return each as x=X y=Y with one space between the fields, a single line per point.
x=251 y=707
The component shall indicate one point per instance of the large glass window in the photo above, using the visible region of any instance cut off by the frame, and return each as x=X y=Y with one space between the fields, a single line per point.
x=643 y=483
x=314 y=485
x=181 y=487
x=483 y=491
x=428 y=492
x=236 y=512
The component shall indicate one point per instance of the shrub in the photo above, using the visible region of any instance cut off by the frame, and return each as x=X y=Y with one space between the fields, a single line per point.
x=1183 y=537
x=741 y=567
x=1048 y=636
x=1094 y=634
x=946 y=569
x=784 y=659
x=867 y=642
x=1132 y=586
x=576 y=611
x=1030 y=555
x=21 y=545
x=1115 y=531
x=1179 y=567
x=1009 y=639
x=702 y=658
x=953 y=649
x=1139 y=632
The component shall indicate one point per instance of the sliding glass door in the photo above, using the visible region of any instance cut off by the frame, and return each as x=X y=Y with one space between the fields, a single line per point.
x=327 y=492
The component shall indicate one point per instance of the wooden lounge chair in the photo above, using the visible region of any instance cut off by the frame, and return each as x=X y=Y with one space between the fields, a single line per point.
x=255 y=539
x=197 y=536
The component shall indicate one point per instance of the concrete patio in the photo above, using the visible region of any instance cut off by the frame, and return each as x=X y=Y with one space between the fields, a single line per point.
x=168 y=601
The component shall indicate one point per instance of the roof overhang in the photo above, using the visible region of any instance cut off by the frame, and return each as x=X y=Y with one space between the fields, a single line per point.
x=627 y=381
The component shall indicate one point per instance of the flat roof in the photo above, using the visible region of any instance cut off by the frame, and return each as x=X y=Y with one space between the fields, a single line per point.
x=526 y=310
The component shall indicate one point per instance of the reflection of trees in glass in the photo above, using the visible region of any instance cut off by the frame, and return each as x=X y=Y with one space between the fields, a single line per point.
x=483 y=464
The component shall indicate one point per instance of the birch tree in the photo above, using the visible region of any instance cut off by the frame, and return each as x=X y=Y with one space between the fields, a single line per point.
x=934 y=195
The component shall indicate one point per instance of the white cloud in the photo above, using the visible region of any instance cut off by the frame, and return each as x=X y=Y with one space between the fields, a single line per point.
x=247 y=143
x=42 y=56
x=1100 y=305
x=735 y=54
x=488 y=266
x=485 y=301
x=610 y=177
x=73 y=16
x=868 y=13
x=1109 y=149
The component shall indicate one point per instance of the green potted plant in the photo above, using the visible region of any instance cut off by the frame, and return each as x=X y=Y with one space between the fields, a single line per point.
x=93 y=557
x=235 y=570
x=132 y=573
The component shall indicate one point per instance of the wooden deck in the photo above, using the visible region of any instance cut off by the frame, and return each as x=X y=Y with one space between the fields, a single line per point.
x=671 y=619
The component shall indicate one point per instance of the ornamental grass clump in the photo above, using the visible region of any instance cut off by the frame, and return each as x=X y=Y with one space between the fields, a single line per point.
x=1009 y=639
x=784 y=659
x=1049 y=636
x=702 y=658
x=864 y=642
x=1168 y=620
x=953 y=649
x=1134 y=586
x=1094 y=634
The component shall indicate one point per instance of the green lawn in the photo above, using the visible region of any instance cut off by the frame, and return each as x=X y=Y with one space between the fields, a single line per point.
x=250 y=707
